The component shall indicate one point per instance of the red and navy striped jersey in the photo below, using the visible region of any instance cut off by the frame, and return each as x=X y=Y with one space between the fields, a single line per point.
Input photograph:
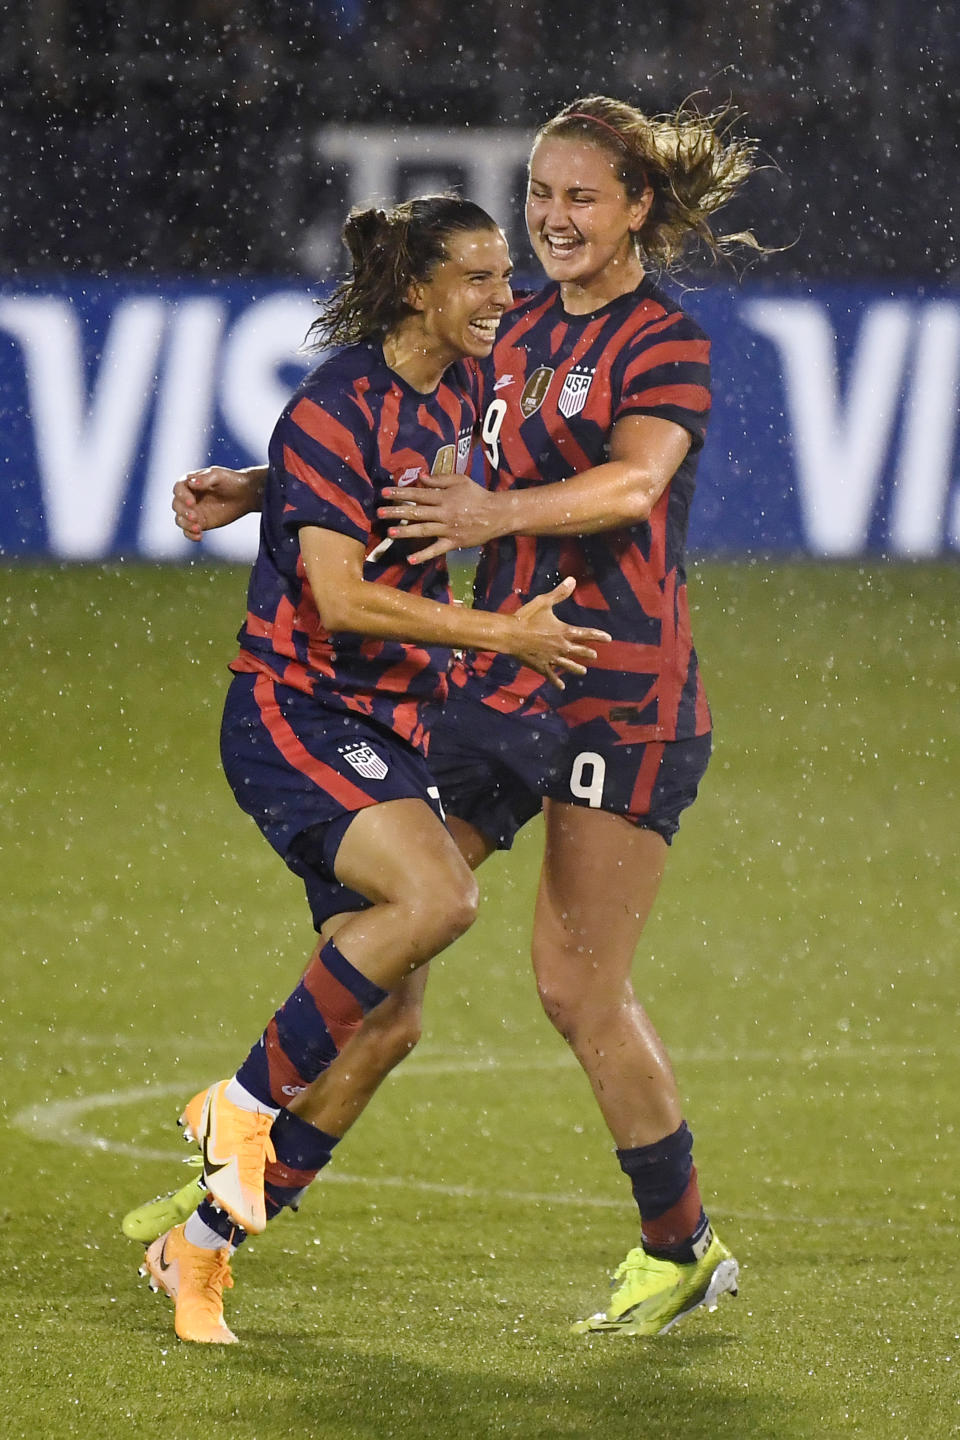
x=352 y=428
x=561 y=383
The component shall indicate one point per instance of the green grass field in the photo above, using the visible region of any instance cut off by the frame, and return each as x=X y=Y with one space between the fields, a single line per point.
x=801 y=966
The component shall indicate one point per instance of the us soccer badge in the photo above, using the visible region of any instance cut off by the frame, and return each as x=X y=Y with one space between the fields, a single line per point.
x=573 y=395
x=365 y=761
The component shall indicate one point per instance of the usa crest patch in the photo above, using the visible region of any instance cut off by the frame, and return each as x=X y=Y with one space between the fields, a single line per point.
x=365 y=761
x=573 y=395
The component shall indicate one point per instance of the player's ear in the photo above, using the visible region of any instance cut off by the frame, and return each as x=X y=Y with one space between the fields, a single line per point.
x=640 y=209
x=414 y=296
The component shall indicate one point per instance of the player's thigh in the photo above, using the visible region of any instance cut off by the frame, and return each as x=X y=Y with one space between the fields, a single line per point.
x=600 y=878
x=474 y=846
x=401 y=851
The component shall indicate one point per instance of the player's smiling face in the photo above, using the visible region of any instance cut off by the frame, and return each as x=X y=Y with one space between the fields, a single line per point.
x=462 y=303
x=582 y=223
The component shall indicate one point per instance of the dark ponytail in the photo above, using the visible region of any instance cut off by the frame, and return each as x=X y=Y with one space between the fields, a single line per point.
x=390 y=250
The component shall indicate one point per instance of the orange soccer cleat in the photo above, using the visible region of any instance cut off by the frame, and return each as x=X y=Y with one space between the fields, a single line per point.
x=236 y=1146
x=195 y=1280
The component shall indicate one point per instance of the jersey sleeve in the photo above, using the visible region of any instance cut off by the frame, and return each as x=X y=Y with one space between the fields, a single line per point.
x=667 y=374
x=323 y=470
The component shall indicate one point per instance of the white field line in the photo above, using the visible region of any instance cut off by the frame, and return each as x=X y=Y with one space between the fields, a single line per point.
x=432 y=1059
x=59 y=1122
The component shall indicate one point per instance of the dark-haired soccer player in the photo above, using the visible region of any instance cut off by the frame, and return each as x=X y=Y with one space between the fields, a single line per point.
x=342 y=663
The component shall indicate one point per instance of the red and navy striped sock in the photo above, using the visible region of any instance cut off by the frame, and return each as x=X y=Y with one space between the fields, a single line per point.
x=302 y=1150
x=310 y=1028
x=664 y=1181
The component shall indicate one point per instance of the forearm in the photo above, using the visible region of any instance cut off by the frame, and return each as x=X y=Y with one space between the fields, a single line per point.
x=383 y=613
x=607 y=497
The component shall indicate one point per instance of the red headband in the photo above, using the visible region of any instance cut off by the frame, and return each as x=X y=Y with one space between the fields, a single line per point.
x=582 y=115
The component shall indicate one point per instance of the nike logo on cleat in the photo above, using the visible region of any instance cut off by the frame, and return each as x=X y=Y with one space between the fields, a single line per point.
x=209 y=1168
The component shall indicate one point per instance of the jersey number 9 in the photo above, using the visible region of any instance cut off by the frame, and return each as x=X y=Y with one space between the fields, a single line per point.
x=490 y=430
x=587 y=777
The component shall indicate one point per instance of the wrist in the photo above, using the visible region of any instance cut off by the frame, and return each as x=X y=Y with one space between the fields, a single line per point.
x=509 y=634
x=256 y=477
x=499 y=515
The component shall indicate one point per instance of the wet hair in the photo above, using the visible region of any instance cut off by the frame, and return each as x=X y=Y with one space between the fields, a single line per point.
x=391 y=249
x=692 y=162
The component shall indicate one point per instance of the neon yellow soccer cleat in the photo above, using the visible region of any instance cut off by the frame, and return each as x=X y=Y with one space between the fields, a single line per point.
x=652 y=1295
x=157 y=1216
x=195 y=1280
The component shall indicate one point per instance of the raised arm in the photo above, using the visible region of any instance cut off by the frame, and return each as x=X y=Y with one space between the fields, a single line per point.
x=345 y=601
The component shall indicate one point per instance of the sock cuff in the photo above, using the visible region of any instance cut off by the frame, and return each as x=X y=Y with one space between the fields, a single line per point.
x=673 y=1149
x=365 y=991
x=300 y=1145
x=219 y=1222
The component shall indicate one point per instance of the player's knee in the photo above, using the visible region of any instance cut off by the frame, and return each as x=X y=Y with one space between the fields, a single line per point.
x=446 y=907
x=559 y=1005
x=565 y=992
x=459 y=907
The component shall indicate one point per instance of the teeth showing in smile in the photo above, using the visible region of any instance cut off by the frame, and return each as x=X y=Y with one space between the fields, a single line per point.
x=561 y=245
x=487 y=329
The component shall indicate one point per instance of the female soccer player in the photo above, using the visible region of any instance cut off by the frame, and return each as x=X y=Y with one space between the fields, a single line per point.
x=592 y=434
x=342 y=664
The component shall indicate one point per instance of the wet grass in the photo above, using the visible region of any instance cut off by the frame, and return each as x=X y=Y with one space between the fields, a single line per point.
x=801 y=966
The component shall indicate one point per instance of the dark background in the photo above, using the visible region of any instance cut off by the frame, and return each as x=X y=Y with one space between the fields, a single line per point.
x=139 y=136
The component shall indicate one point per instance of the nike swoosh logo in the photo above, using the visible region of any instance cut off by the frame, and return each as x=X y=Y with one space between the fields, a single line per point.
x=164 y=1262
x=209 y=1168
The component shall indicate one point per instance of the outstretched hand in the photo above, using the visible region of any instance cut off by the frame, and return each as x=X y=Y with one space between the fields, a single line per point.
x=452 y=511
x=207 y=499
x=549 y=644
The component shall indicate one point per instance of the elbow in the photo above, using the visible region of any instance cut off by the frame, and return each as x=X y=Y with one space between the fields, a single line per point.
x=639 y=507
x=338 y=613
x=642 y=496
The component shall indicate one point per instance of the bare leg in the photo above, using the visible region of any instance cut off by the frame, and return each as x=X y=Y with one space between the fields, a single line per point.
x=600 y=878
x=388 y=1034
x=423 y=895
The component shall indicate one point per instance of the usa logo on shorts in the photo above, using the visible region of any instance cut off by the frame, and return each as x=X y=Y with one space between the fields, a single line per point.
x=365 y=761
x=573 y=396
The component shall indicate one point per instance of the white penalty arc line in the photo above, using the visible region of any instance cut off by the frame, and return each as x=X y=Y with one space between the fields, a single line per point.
x=438 y=1060
x=58 y=1121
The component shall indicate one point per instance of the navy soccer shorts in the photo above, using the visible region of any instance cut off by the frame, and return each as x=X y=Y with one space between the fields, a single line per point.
x=650 y=783
x=302 y=771
x=492 y=769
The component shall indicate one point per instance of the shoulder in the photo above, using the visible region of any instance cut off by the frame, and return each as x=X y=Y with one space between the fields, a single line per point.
x=658 y=313
x=660 y=334
x=339 y=386
x=338 y=371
